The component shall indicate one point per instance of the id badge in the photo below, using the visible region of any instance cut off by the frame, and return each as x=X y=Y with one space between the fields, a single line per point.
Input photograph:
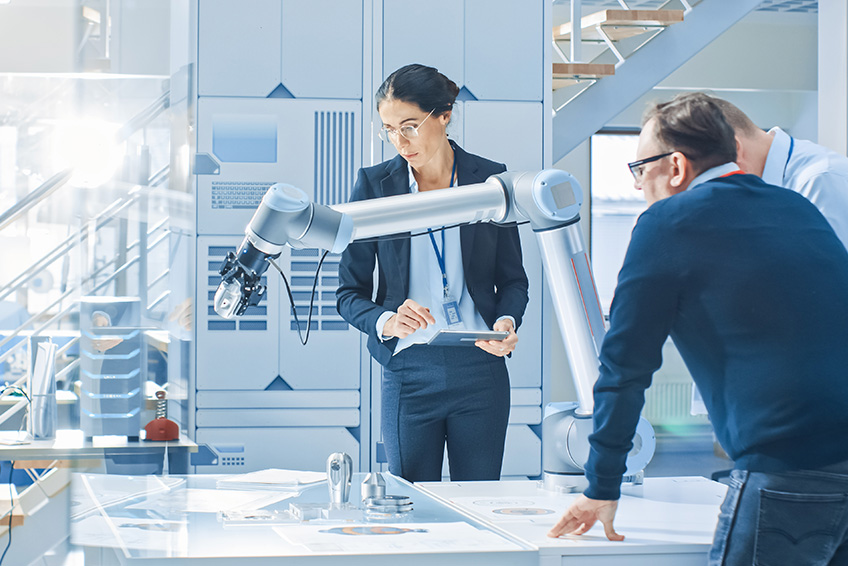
x=452 y=315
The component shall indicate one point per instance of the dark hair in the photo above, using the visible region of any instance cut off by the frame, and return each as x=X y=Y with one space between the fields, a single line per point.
x=417 y=84
x=694 y=125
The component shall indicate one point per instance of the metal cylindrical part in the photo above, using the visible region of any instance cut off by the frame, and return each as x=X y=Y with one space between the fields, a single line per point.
x=252 y=258
x=576 y=303
x=373 y=486
x=328 y=230
x=283 y=216
x=339 y=472
x=403 y=213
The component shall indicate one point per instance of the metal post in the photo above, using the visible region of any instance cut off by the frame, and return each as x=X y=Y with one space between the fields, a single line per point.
x=143 y=253
x=576 y=31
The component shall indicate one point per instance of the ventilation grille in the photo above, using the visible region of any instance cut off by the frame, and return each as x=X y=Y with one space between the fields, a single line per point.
x=232 y=461
x=238 y=194
x=334 y=163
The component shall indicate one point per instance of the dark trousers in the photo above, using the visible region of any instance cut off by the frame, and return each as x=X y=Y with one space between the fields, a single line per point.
x=433 y=396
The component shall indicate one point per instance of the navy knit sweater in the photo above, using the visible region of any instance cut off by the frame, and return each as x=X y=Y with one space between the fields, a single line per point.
x=752 y=285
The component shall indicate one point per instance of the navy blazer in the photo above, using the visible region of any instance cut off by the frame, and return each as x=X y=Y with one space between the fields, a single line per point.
x=491 y=258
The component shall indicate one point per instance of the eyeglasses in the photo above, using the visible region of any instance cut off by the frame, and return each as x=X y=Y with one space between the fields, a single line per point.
x=637 y=167
x=408 y=132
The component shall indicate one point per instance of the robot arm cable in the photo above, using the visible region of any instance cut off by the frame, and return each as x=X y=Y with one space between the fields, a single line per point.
x=303 y=339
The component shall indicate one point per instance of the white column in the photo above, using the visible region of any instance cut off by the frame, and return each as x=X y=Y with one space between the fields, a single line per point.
x=833 y=75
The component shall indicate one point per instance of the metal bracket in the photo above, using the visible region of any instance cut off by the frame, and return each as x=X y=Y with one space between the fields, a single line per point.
x=205 y=164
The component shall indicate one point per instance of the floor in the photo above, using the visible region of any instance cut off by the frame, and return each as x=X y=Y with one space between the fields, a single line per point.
x=687 y=452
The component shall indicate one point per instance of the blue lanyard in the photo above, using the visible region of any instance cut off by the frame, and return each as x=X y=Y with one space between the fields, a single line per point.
x=439 y=257
x=788 y=157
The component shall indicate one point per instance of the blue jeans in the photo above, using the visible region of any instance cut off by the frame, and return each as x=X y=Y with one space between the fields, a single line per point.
x=797 y=518
x=437 y=395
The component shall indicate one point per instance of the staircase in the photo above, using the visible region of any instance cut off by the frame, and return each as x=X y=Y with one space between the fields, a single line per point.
x=618 y=55
x=608 y=28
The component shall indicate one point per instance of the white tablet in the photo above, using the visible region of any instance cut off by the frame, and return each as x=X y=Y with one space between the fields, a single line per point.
x=464 y=337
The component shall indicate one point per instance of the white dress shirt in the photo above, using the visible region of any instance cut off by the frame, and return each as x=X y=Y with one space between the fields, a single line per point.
x=813 y=171
x=425 y=284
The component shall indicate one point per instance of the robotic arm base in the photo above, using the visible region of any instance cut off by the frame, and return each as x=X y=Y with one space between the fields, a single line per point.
x=565 y=449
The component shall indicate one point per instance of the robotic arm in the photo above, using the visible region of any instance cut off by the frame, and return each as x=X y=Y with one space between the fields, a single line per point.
x=549 y=199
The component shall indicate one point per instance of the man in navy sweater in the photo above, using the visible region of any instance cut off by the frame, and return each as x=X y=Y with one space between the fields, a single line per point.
x=751 y=283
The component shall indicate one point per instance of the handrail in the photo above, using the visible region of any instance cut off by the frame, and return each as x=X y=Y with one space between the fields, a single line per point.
x=7 y=414
x=159 y=176
x=164 y=295
x=65 y=347
x=60 y=375
x=158 y=225
x=129 y=263
x=106 y=216
x=71 y=241
x=159 y=239
x=33 y=319
x=144 y=117
x=46 y=188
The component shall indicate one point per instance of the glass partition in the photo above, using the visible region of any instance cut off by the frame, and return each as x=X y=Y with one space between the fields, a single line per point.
x=94 y=196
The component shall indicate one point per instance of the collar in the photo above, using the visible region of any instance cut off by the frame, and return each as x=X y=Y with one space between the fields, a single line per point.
x=413 y=184
x=777 y=157
x=713 y=173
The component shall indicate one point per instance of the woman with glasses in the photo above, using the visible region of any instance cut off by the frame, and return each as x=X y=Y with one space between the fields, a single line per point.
x=465 y=278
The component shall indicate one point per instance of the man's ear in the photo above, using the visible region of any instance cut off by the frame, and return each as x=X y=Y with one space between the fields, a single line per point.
x=681 y=169
x=741 y=156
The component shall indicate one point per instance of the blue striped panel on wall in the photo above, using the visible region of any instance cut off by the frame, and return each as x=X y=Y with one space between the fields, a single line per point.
x=333 y=162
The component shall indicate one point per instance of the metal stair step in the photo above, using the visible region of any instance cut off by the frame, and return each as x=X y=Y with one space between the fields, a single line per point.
x=619 y=24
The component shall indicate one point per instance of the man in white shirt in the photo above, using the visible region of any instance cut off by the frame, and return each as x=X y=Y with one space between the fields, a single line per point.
x=812 y=170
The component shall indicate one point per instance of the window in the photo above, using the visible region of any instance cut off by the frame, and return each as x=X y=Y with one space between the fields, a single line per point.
x=616 y=205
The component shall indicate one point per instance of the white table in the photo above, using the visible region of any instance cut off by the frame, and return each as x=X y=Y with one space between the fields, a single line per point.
x=666 y=521
x=152 y=521
x=170 y=521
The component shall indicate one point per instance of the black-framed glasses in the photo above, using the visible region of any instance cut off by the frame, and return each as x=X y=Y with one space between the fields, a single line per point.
x=637 y=167
x=409 y=132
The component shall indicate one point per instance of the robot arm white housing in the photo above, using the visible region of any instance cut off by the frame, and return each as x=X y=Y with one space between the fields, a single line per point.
x=550 y=200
